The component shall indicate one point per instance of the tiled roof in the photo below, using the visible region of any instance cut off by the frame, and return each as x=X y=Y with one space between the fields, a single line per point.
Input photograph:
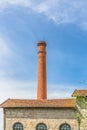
x=60 y=103
x=79 y=93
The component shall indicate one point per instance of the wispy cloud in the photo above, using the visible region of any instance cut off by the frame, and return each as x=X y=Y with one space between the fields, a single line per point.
x=10 y=88
x=5 y=51
x=6 y=56
x=11 y=59
x=61 y=90
x=60 y=11
x=5 y=3
x=65 y=11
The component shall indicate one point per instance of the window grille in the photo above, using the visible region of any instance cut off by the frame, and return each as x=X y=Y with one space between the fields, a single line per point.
x=41 y=126
x=65 y=127
x=17 y=126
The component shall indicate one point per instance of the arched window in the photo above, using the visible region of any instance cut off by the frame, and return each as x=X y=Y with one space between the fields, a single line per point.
x=17 y=126
x=65 y=127
x=41 y=126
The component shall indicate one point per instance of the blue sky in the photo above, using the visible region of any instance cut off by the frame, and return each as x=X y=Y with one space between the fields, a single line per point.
x=63 y=25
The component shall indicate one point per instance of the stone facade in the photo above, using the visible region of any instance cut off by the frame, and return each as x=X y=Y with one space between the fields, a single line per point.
x=83 y=124
x=31 y=117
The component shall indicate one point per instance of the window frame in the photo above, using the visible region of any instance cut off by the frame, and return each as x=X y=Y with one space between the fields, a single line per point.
x=38 y=125
x=66 y=125
x=19 y=128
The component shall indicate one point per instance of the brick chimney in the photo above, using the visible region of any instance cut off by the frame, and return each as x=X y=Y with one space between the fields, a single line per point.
x=42 y=89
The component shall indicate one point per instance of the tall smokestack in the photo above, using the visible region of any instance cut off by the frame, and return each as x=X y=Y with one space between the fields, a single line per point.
x=42 y=85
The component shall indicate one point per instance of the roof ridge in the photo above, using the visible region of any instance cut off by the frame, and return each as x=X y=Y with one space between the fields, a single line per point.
x=60 y=99
x=38 y=100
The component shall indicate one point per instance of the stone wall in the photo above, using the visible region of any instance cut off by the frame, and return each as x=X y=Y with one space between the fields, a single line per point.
x=30 y=117
x=83 y=112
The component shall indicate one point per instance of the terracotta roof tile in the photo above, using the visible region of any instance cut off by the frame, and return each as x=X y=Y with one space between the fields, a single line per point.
x=79 y=93
x=60 y=103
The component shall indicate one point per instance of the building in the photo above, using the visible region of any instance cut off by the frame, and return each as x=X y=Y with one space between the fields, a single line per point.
x=43 y=113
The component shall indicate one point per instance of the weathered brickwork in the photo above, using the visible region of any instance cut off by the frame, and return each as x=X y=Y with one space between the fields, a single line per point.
x=42 y=85
x=30 y=117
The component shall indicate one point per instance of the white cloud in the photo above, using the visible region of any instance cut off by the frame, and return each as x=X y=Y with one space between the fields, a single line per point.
x=11 y=61
x=84 y=25
x=5 y=51
x=64 y=11
x=3 y=47
x=5 y=3
x=10 y=88
x=6 y=56
x=60 y=11
x=61 y=90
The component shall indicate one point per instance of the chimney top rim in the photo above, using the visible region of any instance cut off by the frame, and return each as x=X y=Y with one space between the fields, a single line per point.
x=42 y=42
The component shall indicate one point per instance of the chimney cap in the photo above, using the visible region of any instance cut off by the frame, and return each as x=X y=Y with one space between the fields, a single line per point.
x=42 y=43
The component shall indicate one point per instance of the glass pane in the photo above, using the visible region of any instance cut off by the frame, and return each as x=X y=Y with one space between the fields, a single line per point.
x=41 y=127
x=65 y=127
x=18 y=126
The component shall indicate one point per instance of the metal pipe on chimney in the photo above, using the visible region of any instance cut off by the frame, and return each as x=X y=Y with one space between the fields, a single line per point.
x=42 y=85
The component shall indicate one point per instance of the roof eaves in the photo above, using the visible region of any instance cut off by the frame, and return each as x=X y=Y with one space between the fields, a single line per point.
x=2 y=104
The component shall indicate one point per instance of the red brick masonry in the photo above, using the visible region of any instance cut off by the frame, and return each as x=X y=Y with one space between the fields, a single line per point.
x=42 y=85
